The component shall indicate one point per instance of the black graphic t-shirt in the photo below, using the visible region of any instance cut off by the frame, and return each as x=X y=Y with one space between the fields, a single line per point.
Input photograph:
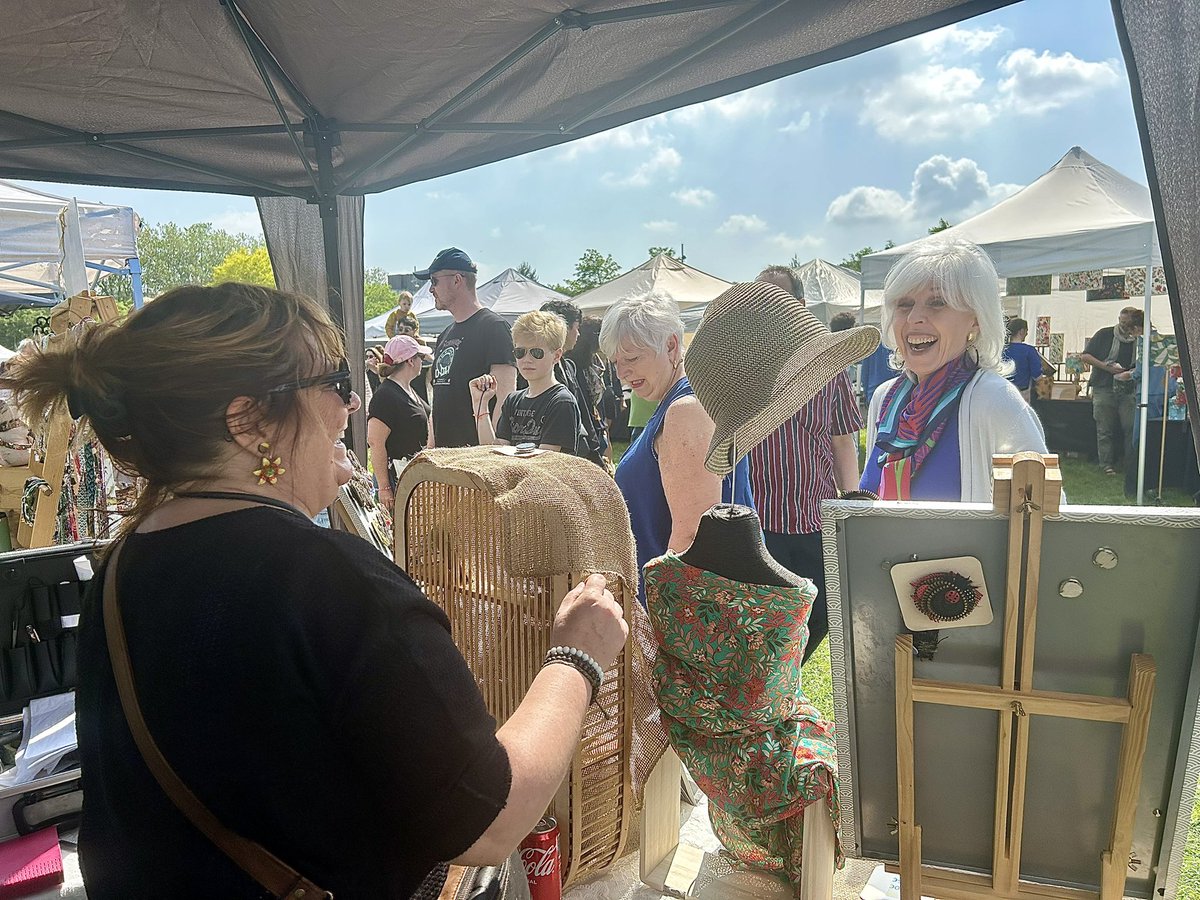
x=552 y=417
x=464 y=351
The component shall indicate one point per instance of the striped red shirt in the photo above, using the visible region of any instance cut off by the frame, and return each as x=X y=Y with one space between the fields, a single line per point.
x=791 y=472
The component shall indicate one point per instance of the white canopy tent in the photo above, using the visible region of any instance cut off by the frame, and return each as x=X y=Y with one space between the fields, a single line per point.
x=687 y=286
x=1080 y=216
x=831 y=289
x=36 y=231
x=510 y=294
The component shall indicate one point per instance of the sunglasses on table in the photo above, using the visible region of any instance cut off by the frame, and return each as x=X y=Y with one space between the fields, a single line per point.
x=339 y=380
x=535 y=352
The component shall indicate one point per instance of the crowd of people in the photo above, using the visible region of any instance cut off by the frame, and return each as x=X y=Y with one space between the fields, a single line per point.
x=316 y=647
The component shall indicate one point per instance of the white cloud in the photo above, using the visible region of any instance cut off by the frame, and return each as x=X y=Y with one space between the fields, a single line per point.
x=1039 y=83
x=867 y=204
x=742 y=224
x=953 y=39
x=933 y=103
x=495 y=232
x=799 y=125
x=661 y=226
x=697 y=196
x=443 y=195
x=634 y=136
x=792 y=243
x=941 y=187
x=756 y=102
x=238 y=221
x=664 y=162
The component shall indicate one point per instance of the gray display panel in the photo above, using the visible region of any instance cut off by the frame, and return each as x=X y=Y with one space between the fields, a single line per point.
x=1148 y=602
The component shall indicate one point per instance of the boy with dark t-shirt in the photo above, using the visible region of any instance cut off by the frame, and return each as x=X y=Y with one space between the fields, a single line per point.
x=545 y=413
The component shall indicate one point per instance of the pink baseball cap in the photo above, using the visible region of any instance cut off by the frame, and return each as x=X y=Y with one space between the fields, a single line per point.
x=403 y=347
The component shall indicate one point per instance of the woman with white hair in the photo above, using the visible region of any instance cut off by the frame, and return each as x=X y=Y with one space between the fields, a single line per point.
x=933 y=430
x=662 y=474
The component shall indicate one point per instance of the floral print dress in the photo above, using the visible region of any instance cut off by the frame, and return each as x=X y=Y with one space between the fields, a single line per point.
x=728 y=682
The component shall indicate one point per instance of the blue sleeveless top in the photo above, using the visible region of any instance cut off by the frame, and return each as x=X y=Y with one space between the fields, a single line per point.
x=640 y=481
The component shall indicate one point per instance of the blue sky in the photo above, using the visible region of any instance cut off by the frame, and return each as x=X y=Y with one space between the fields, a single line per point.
x=817 y=164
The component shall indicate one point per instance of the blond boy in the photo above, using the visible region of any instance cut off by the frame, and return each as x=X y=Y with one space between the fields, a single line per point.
x=544 y=414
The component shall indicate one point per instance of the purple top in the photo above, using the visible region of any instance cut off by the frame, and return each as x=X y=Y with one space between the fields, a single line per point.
x=940 y=475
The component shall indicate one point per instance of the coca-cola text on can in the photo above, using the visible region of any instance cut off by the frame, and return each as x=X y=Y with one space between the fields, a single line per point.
x=543 y=864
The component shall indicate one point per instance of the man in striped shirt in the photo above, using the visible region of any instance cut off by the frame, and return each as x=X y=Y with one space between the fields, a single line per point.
x=811 y=457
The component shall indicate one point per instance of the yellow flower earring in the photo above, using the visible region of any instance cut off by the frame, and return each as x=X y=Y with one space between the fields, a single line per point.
x=269 y=469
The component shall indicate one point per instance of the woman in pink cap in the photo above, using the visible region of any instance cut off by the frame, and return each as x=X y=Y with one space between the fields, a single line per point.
x=397 y=419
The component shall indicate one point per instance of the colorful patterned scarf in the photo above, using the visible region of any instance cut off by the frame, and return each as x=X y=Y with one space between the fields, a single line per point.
x=914 y=416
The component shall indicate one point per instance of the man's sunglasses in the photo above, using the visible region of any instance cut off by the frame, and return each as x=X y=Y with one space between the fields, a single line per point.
x=339 y=380
x=535 y=352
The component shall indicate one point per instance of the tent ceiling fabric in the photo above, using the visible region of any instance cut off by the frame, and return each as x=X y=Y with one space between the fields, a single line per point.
x=155 y=94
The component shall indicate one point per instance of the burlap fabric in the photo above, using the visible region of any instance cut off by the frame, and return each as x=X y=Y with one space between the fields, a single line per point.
x=563 y=514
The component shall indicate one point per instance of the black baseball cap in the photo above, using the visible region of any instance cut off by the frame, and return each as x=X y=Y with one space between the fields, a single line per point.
x=451 y=259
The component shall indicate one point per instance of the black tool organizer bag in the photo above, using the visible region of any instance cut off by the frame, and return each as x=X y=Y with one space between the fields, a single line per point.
x=40 y=601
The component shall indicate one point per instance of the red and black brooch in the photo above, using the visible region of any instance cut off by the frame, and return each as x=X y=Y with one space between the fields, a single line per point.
x=945 y=596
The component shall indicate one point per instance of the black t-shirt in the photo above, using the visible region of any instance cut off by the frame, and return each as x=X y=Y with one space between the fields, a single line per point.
x=304 y=688
x=552 y=417
x=464 y=351
x=407 y=418
x=1098 y=347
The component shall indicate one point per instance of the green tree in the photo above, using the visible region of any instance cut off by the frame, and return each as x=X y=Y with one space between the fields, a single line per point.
x=18 y=326
x=250 y=266
x=378 y=296
x=592 y=270
x=527 y=270
x=173 y=254
x=941 y=225
x=660 y=251
x=854 y=260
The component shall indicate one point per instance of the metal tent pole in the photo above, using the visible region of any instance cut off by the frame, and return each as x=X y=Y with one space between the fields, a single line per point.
x=1144 y=402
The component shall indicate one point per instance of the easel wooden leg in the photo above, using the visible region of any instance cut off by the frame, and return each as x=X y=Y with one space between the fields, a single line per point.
x=816 y=874
x=1115 y=861
x=910 y=833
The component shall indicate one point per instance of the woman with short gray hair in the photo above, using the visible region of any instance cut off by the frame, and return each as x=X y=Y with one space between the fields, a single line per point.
x=662 y=474
x=932 y=431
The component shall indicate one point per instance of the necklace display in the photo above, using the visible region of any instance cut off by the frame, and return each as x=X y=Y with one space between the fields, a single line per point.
x=240 y=495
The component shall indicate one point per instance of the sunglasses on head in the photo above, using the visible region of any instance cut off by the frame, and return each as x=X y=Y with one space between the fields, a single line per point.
x=339 y=380
x=535 y=352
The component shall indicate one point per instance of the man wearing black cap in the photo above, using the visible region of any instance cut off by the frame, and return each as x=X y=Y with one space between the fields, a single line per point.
x=479 y=342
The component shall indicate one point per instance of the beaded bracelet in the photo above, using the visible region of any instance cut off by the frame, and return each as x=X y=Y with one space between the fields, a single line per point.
x=581 y=662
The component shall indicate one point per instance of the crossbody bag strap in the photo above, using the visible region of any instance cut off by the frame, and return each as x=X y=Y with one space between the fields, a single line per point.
x=272 y=873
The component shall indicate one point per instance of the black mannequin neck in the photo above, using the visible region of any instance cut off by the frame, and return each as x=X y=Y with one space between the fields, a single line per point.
x=729 y=543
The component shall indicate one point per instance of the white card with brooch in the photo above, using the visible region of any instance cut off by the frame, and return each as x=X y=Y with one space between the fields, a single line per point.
x=942 y=593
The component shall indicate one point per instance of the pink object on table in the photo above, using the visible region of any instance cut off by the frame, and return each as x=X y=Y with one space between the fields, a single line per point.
x=31 y=863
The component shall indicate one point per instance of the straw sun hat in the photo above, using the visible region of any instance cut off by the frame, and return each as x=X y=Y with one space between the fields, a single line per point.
x=757 y=357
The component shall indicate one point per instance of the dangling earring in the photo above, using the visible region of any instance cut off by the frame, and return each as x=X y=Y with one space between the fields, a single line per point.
x=971 y=339
x=269 y=469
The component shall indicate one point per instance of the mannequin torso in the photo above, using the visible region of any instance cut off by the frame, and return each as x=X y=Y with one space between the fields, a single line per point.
x=729 y=543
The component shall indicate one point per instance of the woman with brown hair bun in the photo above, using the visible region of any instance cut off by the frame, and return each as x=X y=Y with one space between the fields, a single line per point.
x=295 y=680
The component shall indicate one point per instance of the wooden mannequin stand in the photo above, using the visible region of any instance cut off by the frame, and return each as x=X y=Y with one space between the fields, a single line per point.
x=1026 y=487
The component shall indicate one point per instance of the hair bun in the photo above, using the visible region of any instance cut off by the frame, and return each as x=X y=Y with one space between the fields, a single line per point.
x=107 y=412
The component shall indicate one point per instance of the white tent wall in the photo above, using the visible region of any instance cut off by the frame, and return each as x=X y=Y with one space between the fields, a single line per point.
x=31 y=234
x=1077 y=319
x=662 y=274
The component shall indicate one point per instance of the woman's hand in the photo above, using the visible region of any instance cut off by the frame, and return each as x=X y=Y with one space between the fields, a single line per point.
x=483 y=389
x=589 y=619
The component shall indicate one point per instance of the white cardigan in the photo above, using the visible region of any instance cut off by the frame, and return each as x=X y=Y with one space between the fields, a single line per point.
x=993 y=418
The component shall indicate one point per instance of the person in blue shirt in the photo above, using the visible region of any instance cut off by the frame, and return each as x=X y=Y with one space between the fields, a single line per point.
x=1027 y=362
x=875 y=370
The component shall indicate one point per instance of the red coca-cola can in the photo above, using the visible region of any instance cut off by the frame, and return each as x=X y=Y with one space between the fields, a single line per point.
x=543 y=864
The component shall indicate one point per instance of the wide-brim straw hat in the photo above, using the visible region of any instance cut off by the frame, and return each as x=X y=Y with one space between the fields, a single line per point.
x=757 y=357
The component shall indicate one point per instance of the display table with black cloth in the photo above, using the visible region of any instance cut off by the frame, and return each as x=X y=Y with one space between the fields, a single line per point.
x=1069 y=426
x=1179 y=464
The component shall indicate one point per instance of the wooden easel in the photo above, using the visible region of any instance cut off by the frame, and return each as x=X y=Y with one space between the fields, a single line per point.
x=46 y=469
x=1025 y=487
